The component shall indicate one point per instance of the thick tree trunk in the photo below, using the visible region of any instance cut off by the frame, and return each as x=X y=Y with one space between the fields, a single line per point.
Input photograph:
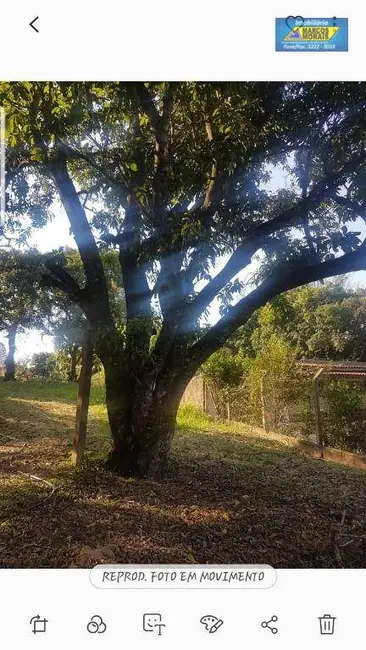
x=142 y=421
x=10 y=359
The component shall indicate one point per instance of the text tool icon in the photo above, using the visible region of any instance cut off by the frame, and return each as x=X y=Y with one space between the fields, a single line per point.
x=327 y=623
x=211 y=623
x=39 y=625
x=269 y=624
x=153 y=623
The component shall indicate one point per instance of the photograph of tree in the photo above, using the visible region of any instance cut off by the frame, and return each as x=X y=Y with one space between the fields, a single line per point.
x=182 y=324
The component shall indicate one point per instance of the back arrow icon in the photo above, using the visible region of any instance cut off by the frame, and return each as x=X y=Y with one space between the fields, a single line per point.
x=32 y=24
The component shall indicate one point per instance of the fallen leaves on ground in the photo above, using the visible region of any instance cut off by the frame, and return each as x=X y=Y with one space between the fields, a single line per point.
x=231 y=495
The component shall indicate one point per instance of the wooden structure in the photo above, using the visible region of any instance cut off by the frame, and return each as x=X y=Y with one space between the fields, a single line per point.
x=83 y=399
x=323 y=370
x=199 y=394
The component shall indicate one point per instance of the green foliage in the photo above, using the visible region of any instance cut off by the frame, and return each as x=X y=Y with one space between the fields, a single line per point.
x=109 y=342
x=55 y=366
x=326 y=322
x=225 y=374
x=23 y=302
x=44 y=366
x=224 y=369
x=274 y=382
x=108 y=140
x=275 y=318
x=192 y=417
x=344 y=421
x=340 y=329
x=106 y=135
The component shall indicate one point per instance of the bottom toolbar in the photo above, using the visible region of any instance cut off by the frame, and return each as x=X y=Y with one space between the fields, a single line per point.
x=51 y=608
x=155 y=623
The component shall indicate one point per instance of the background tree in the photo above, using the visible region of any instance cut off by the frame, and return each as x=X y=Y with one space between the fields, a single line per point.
x=335 y=329
x=23 y=303
x=326 y=322
x=44 y=366
x=273 y=382
x=175 y=176
x=224 y=372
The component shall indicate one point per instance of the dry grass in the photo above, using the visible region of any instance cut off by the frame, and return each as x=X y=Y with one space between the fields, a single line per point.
x=232 y=494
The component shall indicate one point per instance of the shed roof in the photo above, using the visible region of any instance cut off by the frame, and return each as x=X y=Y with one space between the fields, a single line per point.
x=351 y=370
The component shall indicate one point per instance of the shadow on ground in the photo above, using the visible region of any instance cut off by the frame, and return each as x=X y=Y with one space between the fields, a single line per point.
x=231 y=495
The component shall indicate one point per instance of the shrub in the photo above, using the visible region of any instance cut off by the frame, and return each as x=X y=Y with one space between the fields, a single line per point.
x=225 y=372
x=44 y=366
x=274 y=383
x=343 y=423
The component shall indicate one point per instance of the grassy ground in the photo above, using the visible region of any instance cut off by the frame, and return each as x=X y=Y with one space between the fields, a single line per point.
x=232 y=494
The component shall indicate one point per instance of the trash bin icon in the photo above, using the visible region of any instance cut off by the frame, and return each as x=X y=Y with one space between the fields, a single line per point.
x=327 y=623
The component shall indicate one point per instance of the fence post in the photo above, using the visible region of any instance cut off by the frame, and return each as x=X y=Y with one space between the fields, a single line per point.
x=83 y=399
x=228 y=411
x=318 y=423
x=263 y=405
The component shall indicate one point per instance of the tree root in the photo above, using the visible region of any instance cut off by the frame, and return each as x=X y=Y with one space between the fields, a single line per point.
x=32 y=477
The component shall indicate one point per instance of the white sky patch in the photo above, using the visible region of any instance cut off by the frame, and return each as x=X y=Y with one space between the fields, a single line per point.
x=55 y=234
x=29 y=343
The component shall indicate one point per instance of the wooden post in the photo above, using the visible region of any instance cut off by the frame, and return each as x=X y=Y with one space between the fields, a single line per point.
x=228 y=411
x=263 y=405
x=318 y=423
x=204 y=396
x=83 y=399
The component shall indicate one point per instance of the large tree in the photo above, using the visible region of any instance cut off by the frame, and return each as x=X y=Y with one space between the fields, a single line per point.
x=176 y=177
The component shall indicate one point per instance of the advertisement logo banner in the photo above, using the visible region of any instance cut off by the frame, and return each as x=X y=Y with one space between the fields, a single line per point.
x=298 y=34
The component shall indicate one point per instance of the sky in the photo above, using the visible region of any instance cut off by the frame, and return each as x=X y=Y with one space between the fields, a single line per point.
x=57 y=233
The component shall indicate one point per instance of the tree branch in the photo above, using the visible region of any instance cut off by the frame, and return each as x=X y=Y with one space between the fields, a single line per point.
x=254 y=237
x=214 y=170
x=61 y=279
x=70 y=153
x=281 y=279
x=355 y=207
x=304 y=180
x=137 y=291
x=159 y=124
x=96 y=286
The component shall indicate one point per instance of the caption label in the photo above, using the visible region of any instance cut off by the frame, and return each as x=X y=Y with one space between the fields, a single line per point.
x=183 y=577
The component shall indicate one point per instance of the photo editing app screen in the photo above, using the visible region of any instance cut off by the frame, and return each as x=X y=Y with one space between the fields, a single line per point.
x=182 y=325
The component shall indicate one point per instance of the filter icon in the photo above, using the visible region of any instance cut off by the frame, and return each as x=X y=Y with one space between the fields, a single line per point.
x=327 y=624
